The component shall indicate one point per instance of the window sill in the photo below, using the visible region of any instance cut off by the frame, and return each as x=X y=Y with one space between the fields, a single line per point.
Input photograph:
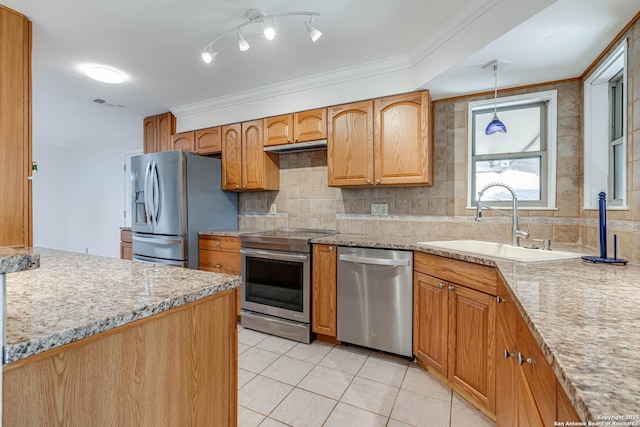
x=520 y=208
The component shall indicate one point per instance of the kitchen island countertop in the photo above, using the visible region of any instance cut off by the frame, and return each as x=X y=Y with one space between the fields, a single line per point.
x=13 y=260
x=73 y=296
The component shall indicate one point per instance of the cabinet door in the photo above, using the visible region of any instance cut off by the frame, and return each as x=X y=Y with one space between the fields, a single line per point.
x=15 y=130
x=183 y=141
x=506 y=376
x=278 y=130
x=231 y=157
x=150 y=129
x=252 y=155
x=403 y=152
x=350 y=145
x=166 y=128
x=537 y=373
x=565 y=410
x=310 y=125
x=324 y=290
x=209 y=141
x=528 y=414
x=472 y=317
x=126 y=251
x=430 y=329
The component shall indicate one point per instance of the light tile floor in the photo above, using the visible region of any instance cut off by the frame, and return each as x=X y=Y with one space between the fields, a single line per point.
x=284 y=383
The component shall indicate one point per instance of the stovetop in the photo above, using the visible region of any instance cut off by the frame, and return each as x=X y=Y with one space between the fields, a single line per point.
x=286 y=234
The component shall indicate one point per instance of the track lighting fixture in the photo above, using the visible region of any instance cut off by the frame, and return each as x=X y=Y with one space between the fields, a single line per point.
x=254 y=17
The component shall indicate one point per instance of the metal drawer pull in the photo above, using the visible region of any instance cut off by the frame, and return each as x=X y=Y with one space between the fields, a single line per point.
x=218 y=266
x=522 y=359
x=450 y=287
x=441 y=285
x=507 y=355
x=499 y=300
x=375 y=261
x=157 y=241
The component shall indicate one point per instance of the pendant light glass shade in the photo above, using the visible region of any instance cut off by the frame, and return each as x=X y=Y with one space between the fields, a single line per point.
x=495 y=125
x=242 y=43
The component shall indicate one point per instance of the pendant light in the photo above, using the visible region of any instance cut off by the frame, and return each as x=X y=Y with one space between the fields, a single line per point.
x=495 y=125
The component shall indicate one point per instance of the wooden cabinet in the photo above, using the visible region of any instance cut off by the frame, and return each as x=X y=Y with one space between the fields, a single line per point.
x=184 y=141
x=431 y=321
x=15 y=130
x=125 y=244
x=158 y=131
x=209 y=141
x=176 y=368
x=245 y=165
x=454 y=324
x=403 y=149
x=221 y=255
x=324 y=290
x=527 y=391
x=350 y=145
x=303 y=126
x=387 y=141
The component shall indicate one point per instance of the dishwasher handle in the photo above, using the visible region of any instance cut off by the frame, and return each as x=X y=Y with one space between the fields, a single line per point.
x=374 y=261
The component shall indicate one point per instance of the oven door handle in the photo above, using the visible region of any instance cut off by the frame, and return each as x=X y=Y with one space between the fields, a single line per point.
x=280 y=256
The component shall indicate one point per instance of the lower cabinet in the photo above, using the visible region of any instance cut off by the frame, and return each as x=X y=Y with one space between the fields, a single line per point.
x=125 y=244
x=323 y=294
x=527 y=391
x=454 y=324
x=221 y=254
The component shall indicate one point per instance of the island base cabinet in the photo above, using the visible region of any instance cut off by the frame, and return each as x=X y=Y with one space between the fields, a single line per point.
x=176 y=368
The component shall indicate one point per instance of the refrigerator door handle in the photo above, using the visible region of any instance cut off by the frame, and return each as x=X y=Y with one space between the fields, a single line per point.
x=156 y=192
x=156 y=240
x=147 y=205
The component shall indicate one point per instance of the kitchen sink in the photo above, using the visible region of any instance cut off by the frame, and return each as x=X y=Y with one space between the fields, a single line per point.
x=501 y=250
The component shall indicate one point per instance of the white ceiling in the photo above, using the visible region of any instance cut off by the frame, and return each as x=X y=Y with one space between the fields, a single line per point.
x=157 y=43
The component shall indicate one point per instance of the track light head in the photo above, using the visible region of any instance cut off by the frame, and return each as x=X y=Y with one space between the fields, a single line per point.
x=314 y=33
x=270 y=30
x=207 y=56
x=242 y=43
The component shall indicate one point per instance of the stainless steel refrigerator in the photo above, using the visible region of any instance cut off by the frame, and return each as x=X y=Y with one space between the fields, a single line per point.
x=175 y=195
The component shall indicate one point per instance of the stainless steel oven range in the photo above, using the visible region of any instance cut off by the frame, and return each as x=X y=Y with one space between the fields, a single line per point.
x=276 y=278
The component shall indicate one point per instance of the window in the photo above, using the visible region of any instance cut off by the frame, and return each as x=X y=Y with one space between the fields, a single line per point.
x=523 y=158
x=605 y=146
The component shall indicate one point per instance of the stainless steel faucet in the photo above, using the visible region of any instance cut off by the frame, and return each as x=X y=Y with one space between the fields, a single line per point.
x=516 y=233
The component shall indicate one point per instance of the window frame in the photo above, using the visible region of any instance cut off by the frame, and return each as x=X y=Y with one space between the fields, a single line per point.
x=547 y=153
x=597 y=128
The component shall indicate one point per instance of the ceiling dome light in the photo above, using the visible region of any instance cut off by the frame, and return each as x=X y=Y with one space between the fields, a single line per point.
x=242 y=43
x=104 y=74
x=207 y=56
x=314 y=33
x=270 y=30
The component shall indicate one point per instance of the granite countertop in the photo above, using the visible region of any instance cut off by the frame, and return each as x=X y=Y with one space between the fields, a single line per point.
x=73 y=296
x=13 y=260
x=230 y=233
x=584 y=316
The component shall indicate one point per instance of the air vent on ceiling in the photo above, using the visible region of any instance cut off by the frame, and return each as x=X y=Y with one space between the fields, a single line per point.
x=107 y=104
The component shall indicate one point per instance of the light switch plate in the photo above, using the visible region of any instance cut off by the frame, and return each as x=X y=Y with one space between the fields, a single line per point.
x=273 y=209
x=379 y=209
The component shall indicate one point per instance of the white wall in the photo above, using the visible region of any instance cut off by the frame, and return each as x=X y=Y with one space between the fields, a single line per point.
x=78 y=193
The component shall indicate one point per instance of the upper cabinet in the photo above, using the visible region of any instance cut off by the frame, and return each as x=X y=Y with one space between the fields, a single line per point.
x=350 y=144
x=403 y=152
x=15 y=129
x=245 y=165
x=297 y=127
x=158 y=131
x=209 y=141
x=387 y=141
x=184 y=141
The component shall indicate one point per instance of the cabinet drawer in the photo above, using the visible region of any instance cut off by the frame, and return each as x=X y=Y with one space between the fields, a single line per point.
x=220 y=243
x=125 y=236
x=220 y=262
x=538 y=374
x=479 y=277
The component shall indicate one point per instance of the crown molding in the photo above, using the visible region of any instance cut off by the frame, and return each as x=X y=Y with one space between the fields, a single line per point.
x=472 y=11
x=369 y=69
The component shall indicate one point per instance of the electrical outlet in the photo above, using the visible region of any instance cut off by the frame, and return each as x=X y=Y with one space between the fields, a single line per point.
x=379 y=209
x=273 y=209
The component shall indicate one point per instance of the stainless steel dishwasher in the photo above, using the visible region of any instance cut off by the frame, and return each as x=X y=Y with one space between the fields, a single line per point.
x=375 y=299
